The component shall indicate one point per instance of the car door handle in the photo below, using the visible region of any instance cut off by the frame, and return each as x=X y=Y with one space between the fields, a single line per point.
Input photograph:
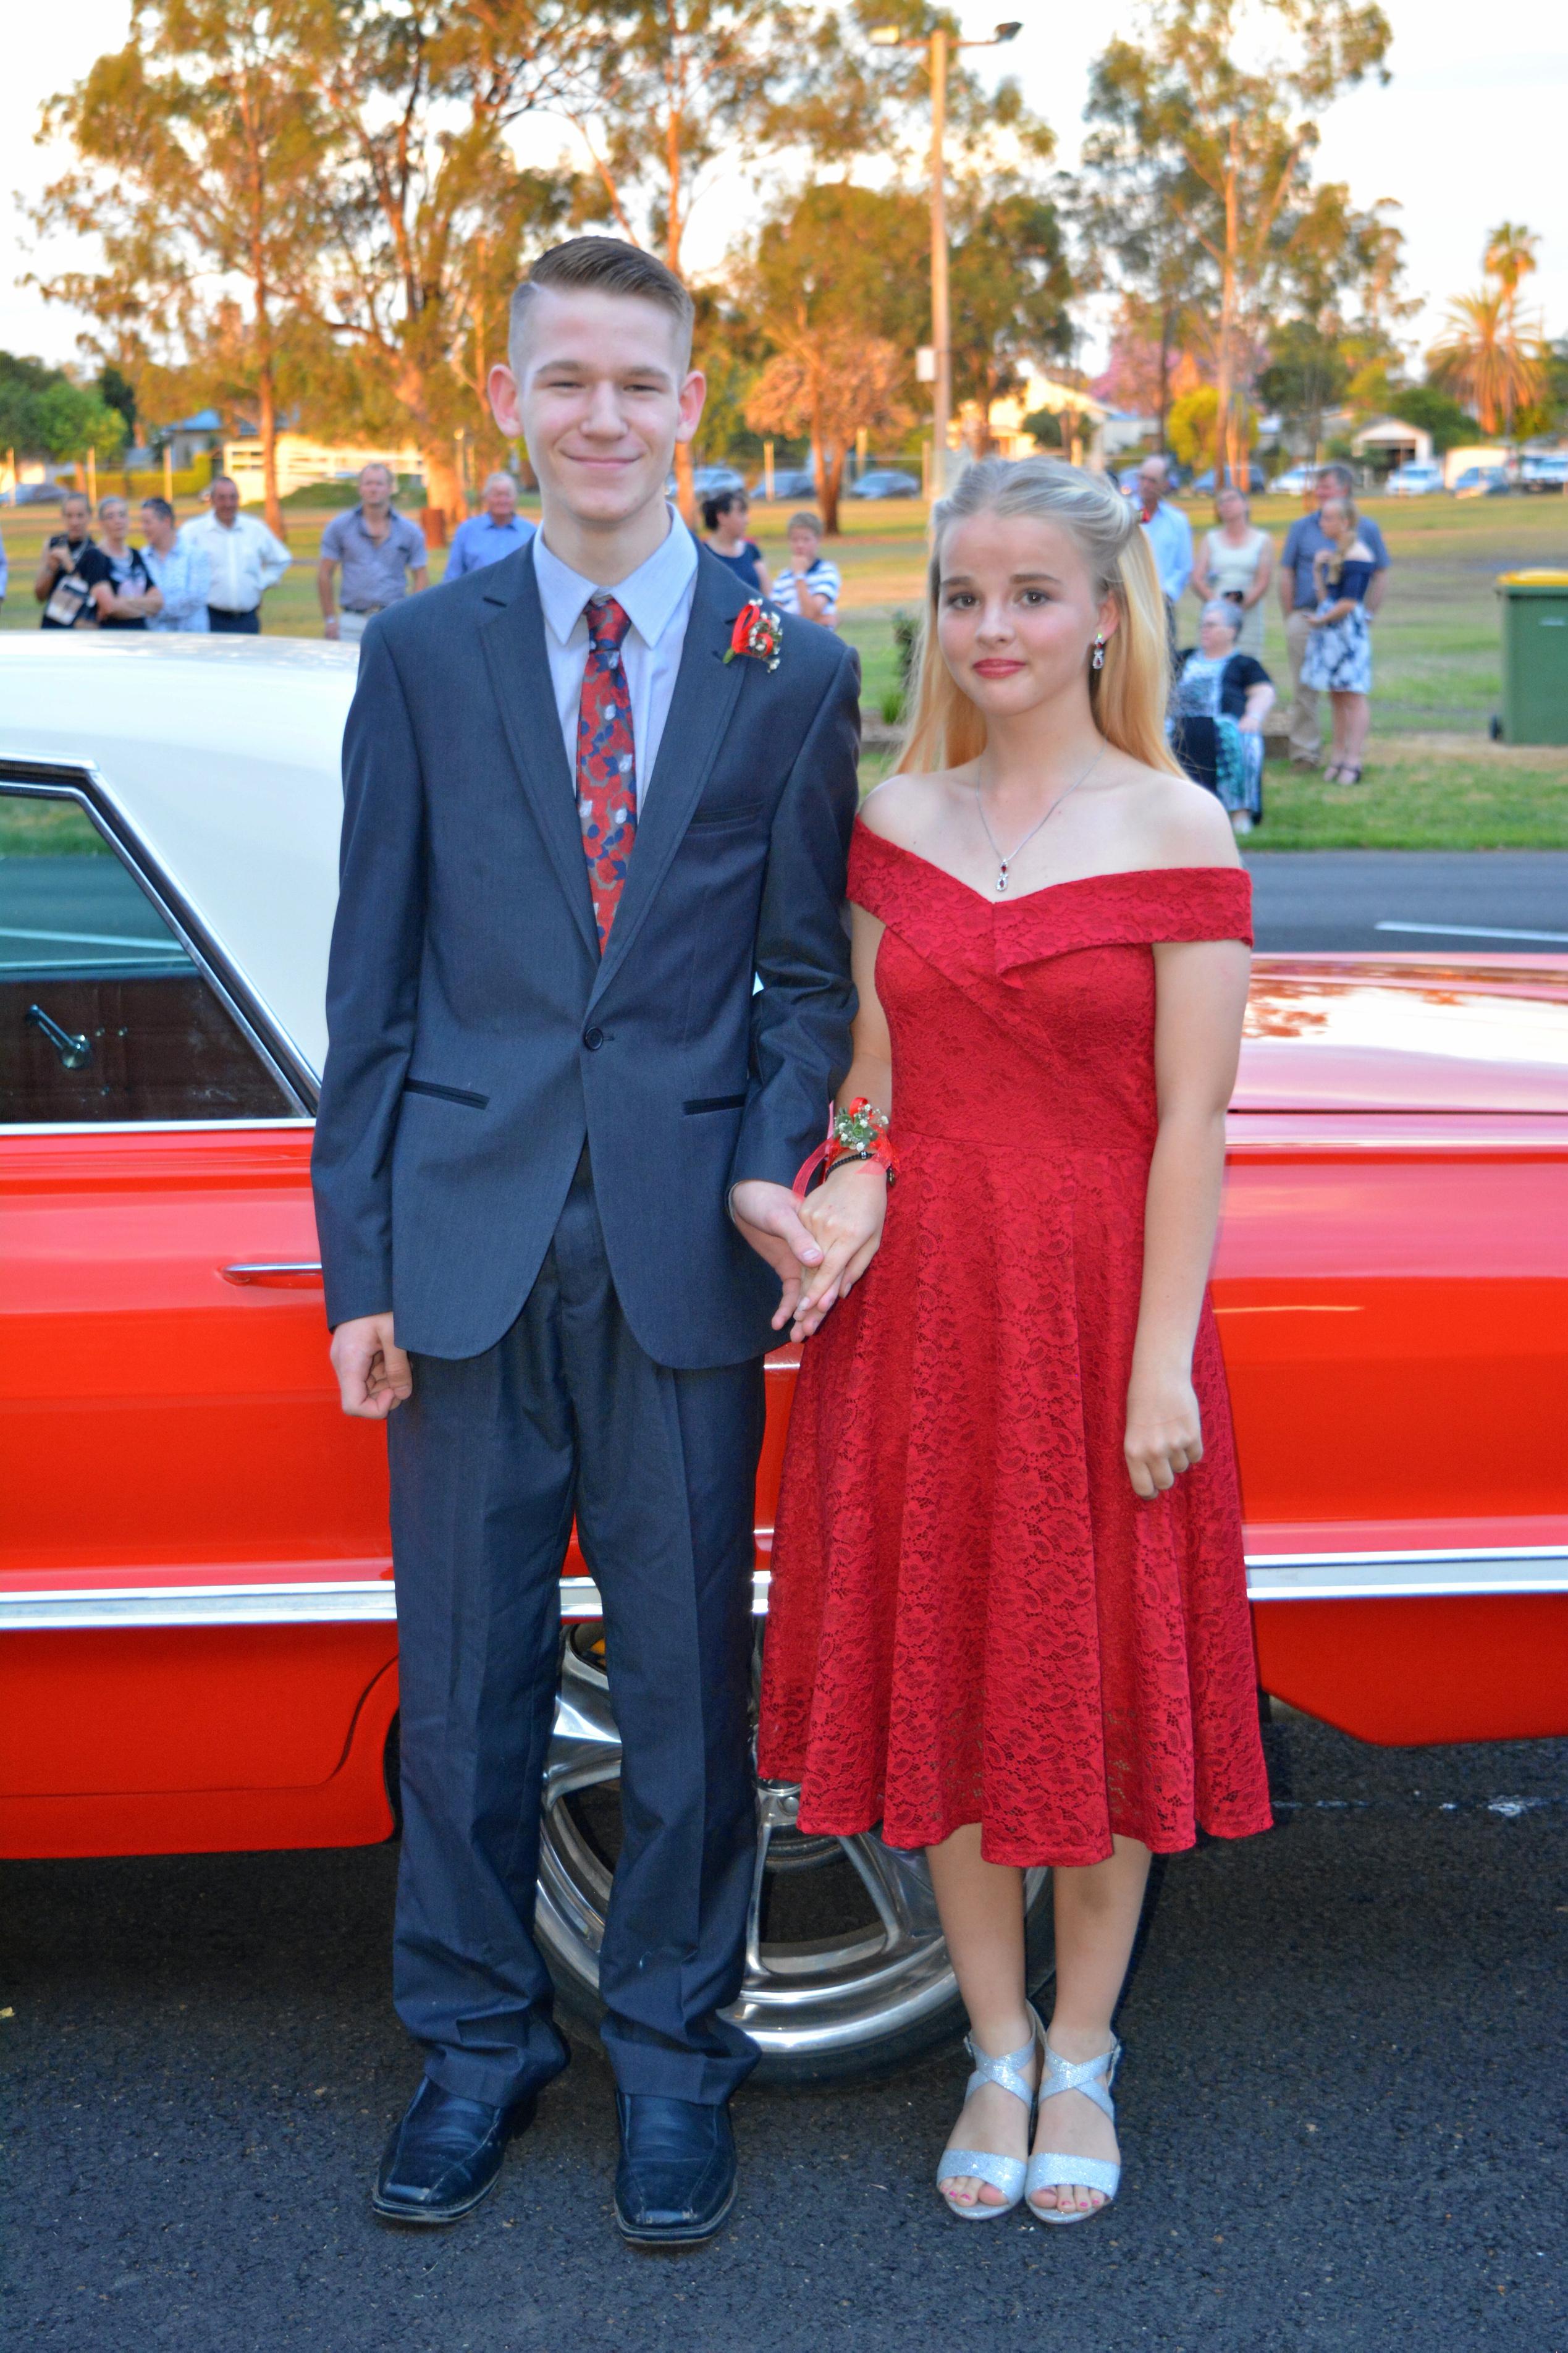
x=277 y=1274
x=75 y=1053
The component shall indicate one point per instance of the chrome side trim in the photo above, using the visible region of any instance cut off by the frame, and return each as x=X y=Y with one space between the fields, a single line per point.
x=1270 y=1576
x=1405 y=1575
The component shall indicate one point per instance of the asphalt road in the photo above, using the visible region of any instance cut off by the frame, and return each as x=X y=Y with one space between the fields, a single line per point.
x=1391 y=902
x=1341 y=2116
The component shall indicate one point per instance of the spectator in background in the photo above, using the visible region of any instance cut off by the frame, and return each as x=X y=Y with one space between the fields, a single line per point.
x=485 y=538
x=1238 y=564
x=1220 y=697
x=724 y=519
x=181 y=575
x=72 y=565
x=1337 y=659
x=130 y=600
x=1298 y=599
x=243 y=558
x=809 y=583
x=1169 y=533
x=379 y=550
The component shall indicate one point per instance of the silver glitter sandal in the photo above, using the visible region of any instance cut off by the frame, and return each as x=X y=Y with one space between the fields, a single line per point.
x=1004 y=2173
x=1049 y=2170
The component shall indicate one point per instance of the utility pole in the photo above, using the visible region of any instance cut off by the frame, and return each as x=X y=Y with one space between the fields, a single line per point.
x=939 y=52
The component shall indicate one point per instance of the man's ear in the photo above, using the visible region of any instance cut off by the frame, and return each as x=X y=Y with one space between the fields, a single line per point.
x=693 y=392
x=504 y=402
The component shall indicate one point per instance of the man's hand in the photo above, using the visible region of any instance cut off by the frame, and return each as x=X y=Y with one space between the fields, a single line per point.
x=374 y=1373
x=769 y=1217
x=846 y=1215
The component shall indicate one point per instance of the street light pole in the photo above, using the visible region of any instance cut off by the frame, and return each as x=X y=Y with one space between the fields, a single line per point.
x=939 y=52
x=941 y=322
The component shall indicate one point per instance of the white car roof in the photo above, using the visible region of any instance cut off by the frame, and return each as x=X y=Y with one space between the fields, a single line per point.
x=223 y=754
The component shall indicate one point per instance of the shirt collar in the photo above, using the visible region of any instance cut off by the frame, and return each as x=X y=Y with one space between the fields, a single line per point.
x=651 y=596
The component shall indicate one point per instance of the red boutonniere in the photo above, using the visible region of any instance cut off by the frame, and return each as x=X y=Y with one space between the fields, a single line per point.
x=758 y=631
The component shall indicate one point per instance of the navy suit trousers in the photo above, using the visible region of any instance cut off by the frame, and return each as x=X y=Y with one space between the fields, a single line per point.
x=491 y=1459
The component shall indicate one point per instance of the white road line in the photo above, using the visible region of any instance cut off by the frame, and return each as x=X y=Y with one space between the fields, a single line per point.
x=1473 y=932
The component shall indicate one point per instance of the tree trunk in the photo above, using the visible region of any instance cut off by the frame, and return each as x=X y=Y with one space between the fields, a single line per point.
x=1164 y=369
x=1223 y=421
x=267 y=422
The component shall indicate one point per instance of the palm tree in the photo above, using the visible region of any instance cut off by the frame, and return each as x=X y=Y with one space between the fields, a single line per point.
x=1510 y=258
x=1481 y=360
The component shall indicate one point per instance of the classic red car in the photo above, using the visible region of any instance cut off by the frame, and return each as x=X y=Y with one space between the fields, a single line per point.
x=195 y=1580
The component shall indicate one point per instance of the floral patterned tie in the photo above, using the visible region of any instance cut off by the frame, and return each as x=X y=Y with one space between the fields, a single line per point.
x=606 y=764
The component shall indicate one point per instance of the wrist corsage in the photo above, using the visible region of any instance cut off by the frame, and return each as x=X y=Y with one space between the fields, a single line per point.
x=860 y=1133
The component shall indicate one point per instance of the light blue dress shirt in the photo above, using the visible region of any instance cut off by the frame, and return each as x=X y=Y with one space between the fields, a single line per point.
x=656 y=601
x=186 y=578
x=482 y=541
x=1170 y=535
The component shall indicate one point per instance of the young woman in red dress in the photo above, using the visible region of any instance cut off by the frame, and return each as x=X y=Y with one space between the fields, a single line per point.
x=1008 y=1618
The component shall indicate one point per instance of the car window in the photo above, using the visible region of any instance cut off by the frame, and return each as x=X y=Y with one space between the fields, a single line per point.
x=104 y=1016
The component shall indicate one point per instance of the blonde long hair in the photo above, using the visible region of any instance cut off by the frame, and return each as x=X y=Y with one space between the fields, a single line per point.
x=1127 y=696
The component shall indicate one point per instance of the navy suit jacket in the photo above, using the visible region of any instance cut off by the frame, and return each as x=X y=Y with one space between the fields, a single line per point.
x=476 y=1039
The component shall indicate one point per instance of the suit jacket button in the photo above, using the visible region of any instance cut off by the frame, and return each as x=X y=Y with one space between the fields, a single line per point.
x=593 y=1039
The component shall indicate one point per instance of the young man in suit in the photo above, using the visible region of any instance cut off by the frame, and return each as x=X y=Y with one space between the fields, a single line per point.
x=558 y=1127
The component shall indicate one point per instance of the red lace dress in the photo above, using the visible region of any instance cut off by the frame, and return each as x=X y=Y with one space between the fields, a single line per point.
x=973 y=1617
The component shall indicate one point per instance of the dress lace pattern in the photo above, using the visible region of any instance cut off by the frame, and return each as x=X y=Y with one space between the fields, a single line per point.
x=973 y=1617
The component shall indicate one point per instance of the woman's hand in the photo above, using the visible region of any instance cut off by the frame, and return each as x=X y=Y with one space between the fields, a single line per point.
x=1164 y=1431
x=844 y=1217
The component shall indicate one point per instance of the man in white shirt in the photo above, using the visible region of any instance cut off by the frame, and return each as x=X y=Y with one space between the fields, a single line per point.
x=243 y=561
x=588 y=998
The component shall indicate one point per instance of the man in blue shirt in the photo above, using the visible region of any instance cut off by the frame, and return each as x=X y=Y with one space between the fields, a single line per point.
x=485 y=538
x=1169 y=533
x=1299 y=598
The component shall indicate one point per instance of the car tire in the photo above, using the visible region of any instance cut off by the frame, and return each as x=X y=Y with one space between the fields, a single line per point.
x=846 y=1974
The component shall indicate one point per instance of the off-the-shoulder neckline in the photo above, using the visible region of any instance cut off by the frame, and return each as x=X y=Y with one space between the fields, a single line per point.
x=1022 y=899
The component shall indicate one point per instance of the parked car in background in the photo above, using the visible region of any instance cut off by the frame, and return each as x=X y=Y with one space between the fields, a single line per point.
x=791 y=482
x=1414 y=482
x=1545 y=470
x=1295 y=482
x=708 y=481
x=885 y=482
x=38 y=494
x=200 y=1638
x=1482 y=483
x=1203 y=485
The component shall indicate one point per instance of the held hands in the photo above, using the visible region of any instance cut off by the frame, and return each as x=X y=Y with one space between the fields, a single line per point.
x=844 y=1216
x=769 y=1217
x=1165 y=1431
x=374 y=1373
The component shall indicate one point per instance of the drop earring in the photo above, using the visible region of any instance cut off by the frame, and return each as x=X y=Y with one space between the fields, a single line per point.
x=1098 y=660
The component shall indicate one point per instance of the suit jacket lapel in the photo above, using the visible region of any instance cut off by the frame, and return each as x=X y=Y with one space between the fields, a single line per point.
x=706 y=688
x=512 y=635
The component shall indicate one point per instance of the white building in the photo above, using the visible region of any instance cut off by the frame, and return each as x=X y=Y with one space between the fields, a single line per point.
x=302 y=464
x=1388 y=443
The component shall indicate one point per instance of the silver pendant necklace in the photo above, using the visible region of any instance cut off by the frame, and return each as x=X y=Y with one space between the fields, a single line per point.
x=1005 y=859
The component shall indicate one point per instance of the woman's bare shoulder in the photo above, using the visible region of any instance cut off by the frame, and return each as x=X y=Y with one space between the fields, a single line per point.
x=1180 y=823
x=902 y=807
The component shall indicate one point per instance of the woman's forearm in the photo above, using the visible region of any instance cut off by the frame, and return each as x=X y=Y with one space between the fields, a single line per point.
x=1180 y=1217
x=872 y=1075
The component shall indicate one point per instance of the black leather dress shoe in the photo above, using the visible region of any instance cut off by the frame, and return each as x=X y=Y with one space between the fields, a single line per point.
x=676 y=2179
x=445 y=2156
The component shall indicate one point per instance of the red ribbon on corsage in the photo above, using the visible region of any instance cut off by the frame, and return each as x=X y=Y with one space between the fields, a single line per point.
x=758 y=633
x=858 y=1134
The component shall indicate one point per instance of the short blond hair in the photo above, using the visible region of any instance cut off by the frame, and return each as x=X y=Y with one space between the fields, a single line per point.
x=606 y=265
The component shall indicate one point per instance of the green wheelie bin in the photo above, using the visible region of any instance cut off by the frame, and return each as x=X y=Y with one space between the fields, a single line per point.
x=1535 y=658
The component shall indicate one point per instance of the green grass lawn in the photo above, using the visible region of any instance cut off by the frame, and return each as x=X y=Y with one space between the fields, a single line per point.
x=1433 y=780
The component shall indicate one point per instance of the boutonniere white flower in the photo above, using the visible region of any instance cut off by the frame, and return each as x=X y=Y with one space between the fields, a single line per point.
x=758 y=633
